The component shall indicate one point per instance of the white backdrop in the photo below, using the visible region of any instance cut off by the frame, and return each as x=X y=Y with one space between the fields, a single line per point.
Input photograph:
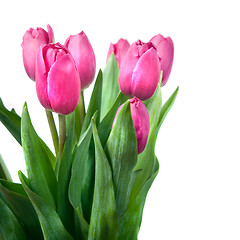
x=197 y=192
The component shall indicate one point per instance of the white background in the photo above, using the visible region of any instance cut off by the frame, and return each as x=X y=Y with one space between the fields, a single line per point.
x=197 y=192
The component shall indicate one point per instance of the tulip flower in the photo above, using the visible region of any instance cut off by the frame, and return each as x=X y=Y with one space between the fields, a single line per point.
x=84 y=57
x=119 y=49
x=141 y=121
x=57 y=79
x=165 y=51
x=139 y=72
x=32 y=40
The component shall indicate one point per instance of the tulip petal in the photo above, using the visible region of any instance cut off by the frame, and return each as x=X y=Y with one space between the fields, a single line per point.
x=41 y=79
x=84 y=57
x=63 y=85
x=126 y=70
x=146 y=75
x=50 y=34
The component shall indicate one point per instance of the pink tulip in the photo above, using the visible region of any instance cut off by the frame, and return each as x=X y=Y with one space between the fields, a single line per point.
x=32 y=40
x=165 y=51
x=119 y=49
x=84 y=57
x=141 y=122
x=140 y=71
x=57 y=79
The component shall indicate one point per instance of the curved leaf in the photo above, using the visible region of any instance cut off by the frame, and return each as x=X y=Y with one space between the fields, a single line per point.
x=51 y=224
x=122 y=152
x=10 y=228
x=103 y=224
x=11 y=121
x=39 y=168
x=110 y=87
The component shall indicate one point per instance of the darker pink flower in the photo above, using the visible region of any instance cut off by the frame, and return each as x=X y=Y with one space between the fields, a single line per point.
x=57 y=79
x=139 y=73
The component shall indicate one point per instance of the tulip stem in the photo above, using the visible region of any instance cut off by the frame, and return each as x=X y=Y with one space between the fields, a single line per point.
x=62 y=134
x=82 y=108
x=53 y=130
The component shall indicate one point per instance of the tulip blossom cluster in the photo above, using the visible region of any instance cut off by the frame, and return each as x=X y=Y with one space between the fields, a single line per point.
x=60 y=71
x=94 y=186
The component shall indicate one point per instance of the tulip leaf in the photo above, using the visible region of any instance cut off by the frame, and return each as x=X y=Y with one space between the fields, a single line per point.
x=81 y=226
x=10 y=228
x=105 y=125
x=40 y=172
x=22 y=208
x=145 y=160
x=130 y=223
x=11 y=120
x=64 y=208
x=110 y=88
x=94 y=104
x=78 y=166
x=103 y=224
x=122 y=151
x=4 y=173
x=167 y=106
x=51 y=224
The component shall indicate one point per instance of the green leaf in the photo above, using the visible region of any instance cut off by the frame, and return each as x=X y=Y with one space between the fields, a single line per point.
x=110 y=88
x=105 y=125
x=22 y=208
x=10 y=228
x=122 y=152
x=11 y=121
x=103 y=224
x=64 y=208
x=81 y=226
x=4 y=173
x=78 y=166
x=130 y=223
x=94 y=104
x=40 y=172
x=51 y=224
x=146 y=159
x=167 y=106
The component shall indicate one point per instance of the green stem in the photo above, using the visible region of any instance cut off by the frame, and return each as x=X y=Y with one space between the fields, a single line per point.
x=82 y=108
x=53 y=130
x=62 y=134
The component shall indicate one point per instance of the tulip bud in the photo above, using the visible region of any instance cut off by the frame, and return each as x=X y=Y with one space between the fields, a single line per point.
x=84 y=57
x=32 y=40
x=165 y=51
x=139 y=73
x=57 y=79
x=141 y=121
x=119 y=49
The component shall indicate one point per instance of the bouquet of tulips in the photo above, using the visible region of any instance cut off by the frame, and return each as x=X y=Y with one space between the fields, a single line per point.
x=94 y=186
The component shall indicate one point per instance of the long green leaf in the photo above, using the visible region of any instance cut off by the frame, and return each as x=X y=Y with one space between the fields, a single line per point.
x=130 y=223
x=64 y=208
x=4 y=173
x=167 y=106
x=94 y=104
x=146 y=158
x=110 y=87
x=40 y=172
x=22 y=208
x=103 y=224
x=10 y=228
x=105 y=125
x=11 y=121
x=51 y=224
x=122 y=152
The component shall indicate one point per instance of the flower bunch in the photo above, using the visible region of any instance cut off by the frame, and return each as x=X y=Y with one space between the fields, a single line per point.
x=95 y=184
